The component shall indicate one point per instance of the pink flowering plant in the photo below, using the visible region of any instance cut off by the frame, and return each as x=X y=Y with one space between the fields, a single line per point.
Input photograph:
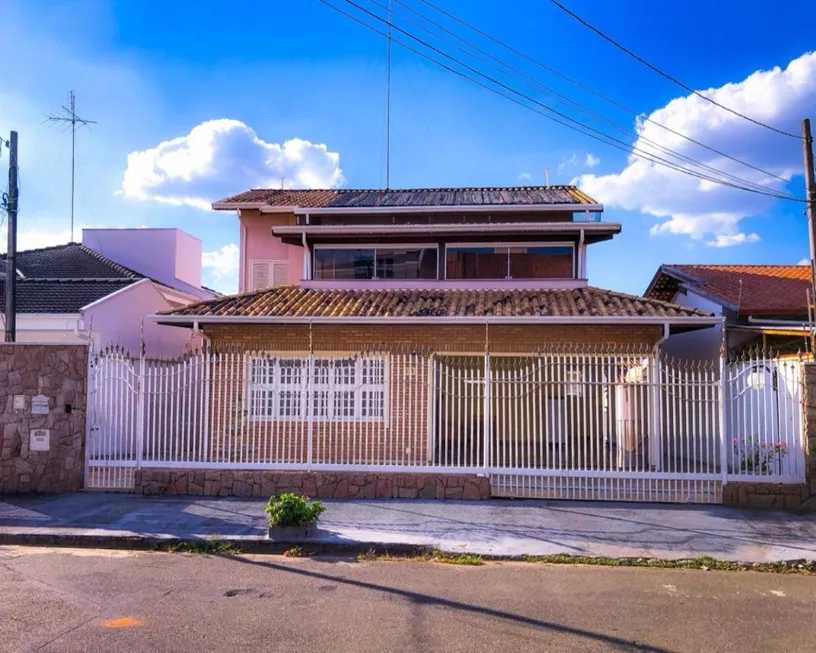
x=754 y=457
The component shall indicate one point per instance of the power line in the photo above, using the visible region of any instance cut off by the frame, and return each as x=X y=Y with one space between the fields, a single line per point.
x=666 y=75
x=582 y=127
x=638 y=114
x=564 y=99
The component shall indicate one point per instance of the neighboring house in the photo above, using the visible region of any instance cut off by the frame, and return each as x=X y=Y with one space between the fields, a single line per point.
x=763 y=306
x=77 y=293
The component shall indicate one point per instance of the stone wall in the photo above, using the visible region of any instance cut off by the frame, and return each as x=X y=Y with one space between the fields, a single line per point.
x=59 y=373
x=776 y=495
x=328 y=485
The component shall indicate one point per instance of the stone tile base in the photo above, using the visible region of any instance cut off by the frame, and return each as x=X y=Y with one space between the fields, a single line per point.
x=328 y=485
x=765 y=495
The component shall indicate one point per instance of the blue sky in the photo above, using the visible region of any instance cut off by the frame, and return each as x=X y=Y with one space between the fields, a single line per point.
x=299 y=90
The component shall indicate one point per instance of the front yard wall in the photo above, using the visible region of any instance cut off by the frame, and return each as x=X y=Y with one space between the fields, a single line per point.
x=775 y=495
x=58 y=372
x=328 y=485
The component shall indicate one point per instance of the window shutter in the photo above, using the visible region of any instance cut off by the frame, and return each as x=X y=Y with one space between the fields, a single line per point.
x=259 y=273
x=280 y=273
x=268 y=274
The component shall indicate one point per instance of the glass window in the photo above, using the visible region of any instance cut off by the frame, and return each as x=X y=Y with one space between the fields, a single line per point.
x=541 y=262
x=340 y=389
x=330 y=263
x=377 y=263
x=406 y=263
x=477 y=263
x=516 y=262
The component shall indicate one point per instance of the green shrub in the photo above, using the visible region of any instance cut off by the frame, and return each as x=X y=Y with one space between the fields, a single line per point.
x=293 y=510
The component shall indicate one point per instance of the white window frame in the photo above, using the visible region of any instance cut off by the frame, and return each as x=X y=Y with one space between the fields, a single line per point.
x=271 y=265
x=374 y=247
x=472 y=245
x=334 y=390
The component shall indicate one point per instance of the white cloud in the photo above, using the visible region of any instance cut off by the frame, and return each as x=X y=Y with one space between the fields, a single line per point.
x=804 y=261
x=38 y=238
x=700 y=209
x=571 y=162
x=222 y=157
x=221 y=267
x=591 y=160
x=525 y=176
x=728 y=240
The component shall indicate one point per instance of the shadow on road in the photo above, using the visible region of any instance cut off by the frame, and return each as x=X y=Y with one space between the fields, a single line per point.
x=426 y=599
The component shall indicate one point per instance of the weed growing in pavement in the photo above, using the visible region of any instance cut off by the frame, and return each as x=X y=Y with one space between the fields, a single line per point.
x=213 y=545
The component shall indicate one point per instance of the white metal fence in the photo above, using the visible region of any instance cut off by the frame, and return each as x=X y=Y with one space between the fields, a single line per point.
x=571 y=424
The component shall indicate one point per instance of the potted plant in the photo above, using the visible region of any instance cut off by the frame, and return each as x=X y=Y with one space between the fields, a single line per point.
x=292 y=517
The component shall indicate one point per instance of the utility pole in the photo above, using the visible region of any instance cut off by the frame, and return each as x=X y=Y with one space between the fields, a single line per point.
x=11 y=268
x=810 y=191
x=69 y=116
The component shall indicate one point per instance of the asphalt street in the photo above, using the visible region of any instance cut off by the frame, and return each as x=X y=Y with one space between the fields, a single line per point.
x=63 y=600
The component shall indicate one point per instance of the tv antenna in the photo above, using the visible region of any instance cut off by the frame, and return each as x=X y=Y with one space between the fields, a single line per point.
x=68 y=116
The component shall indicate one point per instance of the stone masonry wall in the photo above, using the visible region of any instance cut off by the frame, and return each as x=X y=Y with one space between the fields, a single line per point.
x=328 y=485
x=777 y=495
x=58 y=372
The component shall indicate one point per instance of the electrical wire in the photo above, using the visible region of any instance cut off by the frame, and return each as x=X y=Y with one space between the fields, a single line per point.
x=582 y=128
x=638 y=114
x=566 y=100
x=667 y=76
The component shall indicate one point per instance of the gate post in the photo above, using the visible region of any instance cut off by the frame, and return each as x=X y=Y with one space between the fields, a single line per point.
x=310 y=369
x=488 y=417
x=656 y=435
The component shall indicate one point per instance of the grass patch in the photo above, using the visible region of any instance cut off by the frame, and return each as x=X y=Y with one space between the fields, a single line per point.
x=213 y=545
x=430 y=555
x=704 y=563
x=295 y=552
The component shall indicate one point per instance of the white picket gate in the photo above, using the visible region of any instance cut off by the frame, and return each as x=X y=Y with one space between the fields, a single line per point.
x=568 y=424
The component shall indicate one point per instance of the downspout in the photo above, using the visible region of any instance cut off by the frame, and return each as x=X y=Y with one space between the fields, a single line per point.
x=581 y=257
x=198 y=332
x=307 y=260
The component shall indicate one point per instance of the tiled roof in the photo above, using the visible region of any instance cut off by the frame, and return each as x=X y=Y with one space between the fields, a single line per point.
x=750 y=289
x=62 y=295
x=70 y=261
x=302 y=302
x=347 y=198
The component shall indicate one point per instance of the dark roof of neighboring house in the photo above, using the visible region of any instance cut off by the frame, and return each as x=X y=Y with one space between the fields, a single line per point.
x=65 y=278
x=62 y=295
x=404 y=197
x=70 y=261
x=301 y=302
x=760 y=290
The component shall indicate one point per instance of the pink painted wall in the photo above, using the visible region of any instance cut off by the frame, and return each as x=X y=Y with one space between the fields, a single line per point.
x=170 y=256
x=188 y=258
x=258 y=243
x=118 y=321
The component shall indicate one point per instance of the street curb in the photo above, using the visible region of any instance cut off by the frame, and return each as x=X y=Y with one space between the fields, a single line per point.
x=158 y=543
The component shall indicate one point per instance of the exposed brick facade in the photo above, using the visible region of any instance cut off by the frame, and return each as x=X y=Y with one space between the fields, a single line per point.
x=465 y=338
x=324 y=485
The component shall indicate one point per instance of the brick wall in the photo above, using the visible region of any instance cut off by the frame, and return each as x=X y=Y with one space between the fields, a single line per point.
x=467 y=338
x=58 y=372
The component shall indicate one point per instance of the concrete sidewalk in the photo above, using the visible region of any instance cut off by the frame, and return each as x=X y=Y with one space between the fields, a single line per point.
x=498 y=528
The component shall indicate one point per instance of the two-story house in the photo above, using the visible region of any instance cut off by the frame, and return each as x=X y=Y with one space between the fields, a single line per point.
x=451 y=328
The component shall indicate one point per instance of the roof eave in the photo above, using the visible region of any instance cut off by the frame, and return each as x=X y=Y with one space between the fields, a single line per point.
x=526 y=319
x=452 y=208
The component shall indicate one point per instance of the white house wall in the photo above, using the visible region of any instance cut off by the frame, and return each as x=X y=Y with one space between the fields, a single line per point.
x=703 y=344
